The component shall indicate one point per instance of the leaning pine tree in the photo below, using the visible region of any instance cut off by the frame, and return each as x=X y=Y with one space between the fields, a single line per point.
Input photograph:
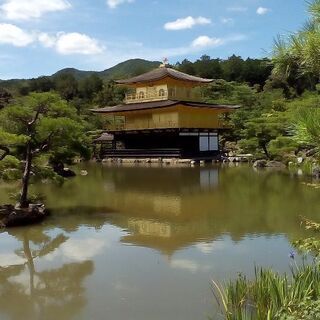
x=41 y=124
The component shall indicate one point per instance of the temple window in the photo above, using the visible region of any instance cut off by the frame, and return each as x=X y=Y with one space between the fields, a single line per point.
x=162 y=93
x=141 y=95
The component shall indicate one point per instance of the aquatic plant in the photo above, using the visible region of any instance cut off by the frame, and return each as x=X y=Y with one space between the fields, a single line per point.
x=271 y=295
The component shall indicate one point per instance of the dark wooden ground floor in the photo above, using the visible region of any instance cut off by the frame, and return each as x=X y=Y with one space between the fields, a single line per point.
x=170 y=143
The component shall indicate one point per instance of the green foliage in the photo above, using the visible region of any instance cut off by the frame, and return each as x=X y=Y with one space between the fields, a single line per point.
x=10 y=168
x=67 y=85
x=307 y=126
x=90 y=86
x=264 y=129
x=251 y=71
x=298 y=56
x=5 y=97
x=11 y=139
x=310 y=245
x=9 y=162
x=41 y=124
x=282 y=146
x=110 y=94
x=273 y=296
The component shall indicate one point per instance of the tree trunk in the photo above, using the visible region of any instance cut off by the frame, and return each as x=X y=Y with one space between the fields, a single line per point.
x=265 y=150
x=25 y=178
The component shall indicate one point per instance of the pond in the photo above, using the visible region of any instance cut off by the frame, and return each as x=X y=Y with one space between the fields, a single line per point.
x=143 y=243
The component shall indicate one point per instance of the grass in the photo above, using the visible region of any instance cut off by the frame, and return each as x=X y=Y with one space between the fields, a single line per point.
x=274 y=296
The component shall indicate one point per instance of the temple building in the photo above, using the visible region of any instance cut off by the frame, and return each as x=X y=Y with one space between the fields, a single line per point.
x=163 y=115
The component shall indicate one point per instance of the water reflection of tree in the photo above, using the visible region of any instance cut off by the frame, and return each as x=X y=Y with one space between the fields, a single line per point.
x=49 y=294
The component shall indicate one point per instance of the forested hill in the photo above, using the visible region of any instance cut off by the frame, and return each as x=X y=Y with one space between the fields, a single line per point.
x=251 y=71
x=122 y=70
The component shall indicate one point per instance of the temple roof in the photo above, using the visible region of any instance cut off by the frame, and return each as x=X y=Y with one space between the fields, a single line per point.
x=161 y=73
x=161 y=104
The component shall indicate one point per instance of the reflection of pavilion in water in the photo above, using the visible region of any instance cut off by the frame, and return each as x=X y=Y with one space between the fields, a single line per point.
x=173 y=208
x=162 y=210
x=163 y=193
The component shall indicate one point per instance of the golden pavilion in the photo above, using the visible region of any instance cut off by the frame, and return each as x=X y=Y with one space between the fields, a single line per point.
x=163 y=115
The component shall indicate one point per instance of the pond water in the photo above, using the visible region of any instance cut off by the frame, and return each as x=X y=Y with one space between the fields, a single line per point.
x=142 y=243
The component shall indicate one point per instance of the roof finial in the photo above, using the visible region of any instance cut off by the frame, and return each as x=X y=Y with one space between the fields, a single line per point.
x=164 y=63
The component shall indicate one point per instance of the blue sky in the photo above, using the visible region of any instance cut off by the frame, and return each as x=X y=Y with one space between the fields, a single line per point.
x=39 y=37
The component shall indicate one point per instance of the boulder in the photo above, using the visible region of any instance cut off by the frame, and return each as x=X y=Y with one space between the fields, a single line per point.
x=260 y=164
x=276 y=165
x=311 y=152
x=316 y=172
x=62 y=171
x=11 y=216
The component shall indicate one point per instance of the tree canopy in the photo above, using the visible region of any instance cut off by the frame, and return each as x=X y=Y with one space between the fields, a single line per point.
x=40 y=123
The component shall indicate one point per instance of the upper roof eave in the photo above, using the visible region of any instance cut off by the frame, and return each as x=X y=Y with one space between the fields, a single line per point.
x=161 y=73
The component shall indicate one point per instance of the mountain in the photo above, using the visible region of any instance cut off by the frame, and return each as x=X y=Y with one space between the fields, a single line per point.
x=124 y=69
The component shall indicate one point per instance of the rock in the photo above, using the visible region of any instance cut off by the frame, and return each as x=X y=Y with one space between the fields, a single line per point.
x=62 y=171
x=276 y=164
x=311 y=152
x=67 y=173
x=260 y=164
x=316 y=172
x=11 y=216
x=84 y=172
x=300 y=160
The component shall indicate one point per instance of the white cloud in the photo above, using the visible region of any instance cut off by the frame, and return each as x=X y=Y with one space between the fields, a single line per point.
x=46 y=40
x=186 y=23
x=188 y=265
x=10 y=259
x=261 y=11
x=78 y=249
x=30 y=9
x=71 y=43
x=63 y=43
x=114 y=3
x=205 y=41
x=77 y=43
x=83 y=249
x=11 y=34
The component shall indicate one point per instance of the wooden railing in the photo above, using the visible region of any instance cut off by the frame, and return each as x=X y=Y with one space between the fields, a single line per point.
x=162 y=95
x=150 y=125
x=136 y=98
x=142 y=125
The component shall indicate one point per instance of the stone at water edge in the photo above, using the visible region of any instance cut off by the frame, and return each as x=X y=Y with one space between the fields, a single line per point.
x=316 y=172
x=276 y=164
x=11 y=216
x=260 y=164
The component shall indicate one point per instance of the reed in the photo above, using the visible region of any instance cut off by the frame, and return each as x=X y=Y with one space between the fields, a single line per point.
x=270 y=295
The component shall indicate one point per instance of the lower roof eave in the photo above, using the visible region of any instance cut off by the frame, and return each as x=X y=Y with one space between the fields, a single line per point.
x=162 y=105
